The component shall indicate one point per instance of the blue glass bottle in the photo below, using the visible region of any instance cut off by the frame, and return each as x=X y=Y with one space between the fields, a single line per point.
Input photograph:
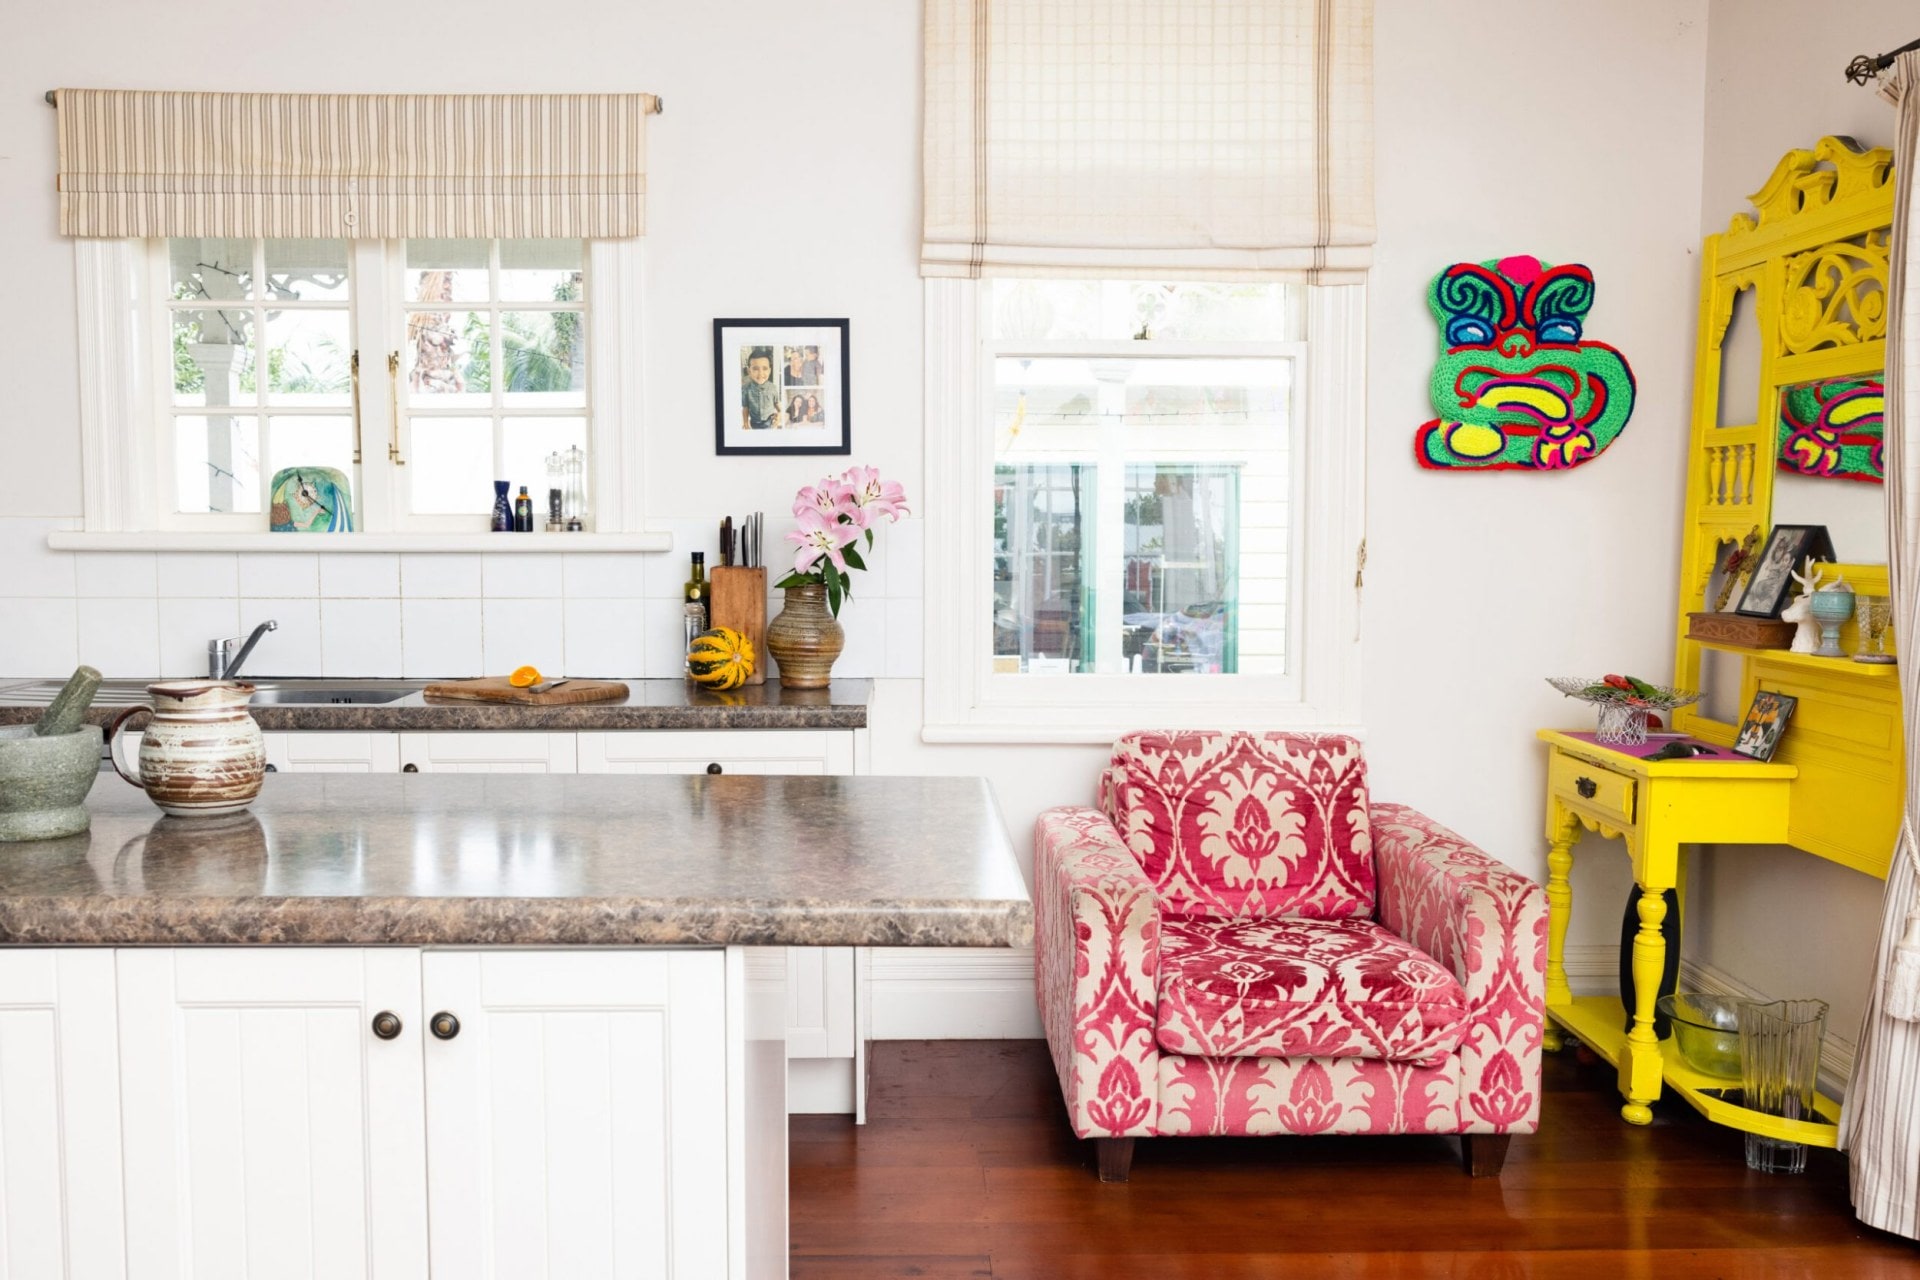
x=502 y=508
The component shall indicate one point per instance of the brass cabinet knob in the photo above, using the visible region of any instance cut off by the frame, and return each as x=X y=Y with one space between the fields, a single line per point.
x=386 y=1024
x=714 y=768
x=273 y=768
x=1586 y=787
x=444 y=1025
x=409 y=768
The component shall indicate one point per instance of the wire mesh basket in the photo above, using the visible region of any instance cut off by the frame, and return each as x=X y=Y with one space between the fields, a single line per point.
x=1622 y=713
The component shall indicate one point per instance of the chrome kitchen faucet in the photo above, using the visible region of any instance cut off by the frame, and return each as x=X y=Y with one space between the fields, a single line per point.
x=220 y=665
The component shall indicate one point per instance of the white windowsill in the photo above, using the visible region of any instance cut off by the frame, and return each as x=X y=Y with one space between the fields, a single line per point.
x=349 y=543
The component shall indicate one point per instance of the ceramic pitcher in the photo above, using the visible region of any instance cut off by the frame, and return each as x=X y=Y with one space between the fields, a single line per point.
x=202 y=753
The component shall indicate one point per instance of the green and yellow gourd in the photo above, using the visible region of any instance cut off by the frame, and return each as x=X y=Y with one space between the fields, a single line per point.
x=720 y=659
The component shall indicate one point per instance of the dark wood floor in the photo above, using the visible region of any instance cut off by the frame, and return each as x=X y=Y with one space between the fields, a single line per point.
x=966 y=1169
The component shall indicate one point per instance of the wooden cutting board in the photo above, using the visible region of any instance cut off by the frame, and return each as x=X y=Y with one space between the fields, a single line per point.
x=496 y=689
x=740 y=602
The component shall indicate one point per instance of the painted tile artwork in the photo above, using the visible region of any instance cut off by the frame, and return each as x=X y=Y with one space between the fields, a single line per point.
x=1516 y=387
x=1834 y=429
x=311 y=500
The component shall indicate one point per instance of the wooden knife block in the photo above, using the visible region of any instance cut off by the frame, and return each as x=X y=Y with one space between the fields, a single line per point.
x=740 y=602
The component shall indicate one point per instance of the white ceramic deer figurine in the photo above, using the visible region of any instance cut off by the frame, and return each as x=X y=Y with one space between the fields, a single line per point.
x=1807 y=638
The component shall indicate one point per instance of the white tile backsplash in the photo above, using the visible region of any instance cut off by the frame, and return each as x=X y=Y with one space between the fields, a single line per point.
x=39 y=637
x=360 y=637
x=523 y=633
x=526 y=576
x=441 y=639
x=280 y=575
x=28 y=567
x=118 y=573
x=187 y=624
x=360 y=577
x=906 y=559
x=199 y=574
x=664 y=651
x=865 y=622
x=904 y=630
x=605 y=577
x=293 y=649
x=121 y=635
x=605 y=637
x=440 y=577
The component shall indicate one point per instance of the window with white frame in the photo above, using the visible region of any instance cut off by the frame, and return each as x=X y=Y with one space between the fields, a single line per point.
x=1150 y=505
x=271 y=353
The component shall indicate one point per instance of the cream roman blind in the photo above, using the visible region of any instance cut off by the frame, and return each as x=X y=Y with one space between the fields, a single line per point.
x=1196 y=138
x=367 y=166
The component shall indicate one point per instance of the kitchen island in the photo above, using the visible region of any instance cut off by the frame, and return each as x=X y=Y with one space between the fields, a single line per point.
x=478 y=1025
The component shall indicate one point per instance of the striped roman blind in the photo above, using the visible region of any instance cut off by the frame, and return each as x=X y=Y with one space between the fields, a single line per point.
x=367 y=166
x=1193 y=138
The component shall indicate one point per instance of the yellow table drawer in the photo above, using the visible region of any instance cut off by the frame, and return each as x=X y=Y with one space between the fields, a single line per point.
x=1586 y=784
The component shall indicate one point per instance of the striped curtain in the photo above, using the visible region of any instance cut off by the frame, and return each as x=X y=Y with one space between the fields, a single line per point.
x=1880 y=1124
x=359 y=166
x=1186 y=138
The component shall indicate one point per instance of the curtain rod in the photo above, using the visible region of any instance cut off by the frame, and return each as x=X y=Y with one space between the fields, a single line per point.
x=659 y=103
x=1863 y=68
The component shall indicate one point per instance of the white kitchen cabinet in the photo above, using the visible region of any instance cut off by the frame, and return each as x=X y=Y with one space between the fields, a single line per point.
x=267 y=1130
x=60 y=1209
x=333 y=752
x=788 y=751
x=548 y=1113
x=510 y=752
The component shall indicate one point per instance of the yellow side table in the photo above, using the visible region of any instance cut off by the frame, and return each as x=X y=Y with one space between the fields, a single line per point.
x=1656 y=807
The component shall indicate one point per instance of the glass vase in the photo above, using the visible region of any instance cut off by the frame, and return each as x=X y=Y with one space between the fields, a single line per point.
x=1779 y=1067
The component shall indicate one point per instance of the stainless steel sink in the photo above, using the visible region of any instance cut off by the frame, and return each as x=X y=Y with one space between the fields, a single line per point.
x=268 y=691
x=336 y=695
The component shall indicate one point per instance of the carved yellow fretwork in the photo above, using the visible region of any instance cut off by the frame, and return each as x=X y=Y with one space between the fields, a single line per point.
x=1836 y=295
x=1799 y=185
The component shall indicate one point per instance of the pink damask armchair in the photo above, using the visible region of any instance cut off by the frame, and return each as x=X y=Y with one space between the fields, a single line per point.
x=1237 y=942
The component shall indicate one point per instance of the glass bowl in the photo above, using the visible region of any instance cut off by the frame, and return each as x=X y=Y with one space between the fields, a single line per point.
x=1707 y=1029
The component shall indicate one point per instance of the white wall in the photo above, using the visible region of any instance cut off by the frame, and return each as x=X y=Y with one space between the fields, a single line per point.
x=1570 y=132
x=1781 y=921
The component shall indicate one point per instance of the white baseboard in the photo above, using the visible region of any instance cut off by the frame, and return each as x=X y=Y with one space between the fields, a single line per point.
x=953 y=993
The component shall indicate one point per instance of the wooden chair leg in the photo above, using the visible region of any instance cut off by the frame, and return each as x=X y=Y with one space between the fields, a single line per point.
x=1484 y=1153
x=1116 y=1158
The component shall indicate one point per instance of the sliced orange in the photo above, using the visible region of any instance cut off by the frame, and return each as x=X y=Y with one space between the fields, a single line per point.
x=524 y=677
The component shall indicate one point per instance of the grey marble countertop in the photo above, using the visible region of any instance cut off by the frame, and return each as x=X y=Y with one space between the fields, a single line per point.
x=528 y=859
x=650 y=704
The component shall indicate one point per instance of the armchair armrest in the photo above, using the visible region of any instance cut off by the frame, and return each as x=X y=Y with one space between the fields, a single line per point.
x=1096 y=962
x=1488 y=924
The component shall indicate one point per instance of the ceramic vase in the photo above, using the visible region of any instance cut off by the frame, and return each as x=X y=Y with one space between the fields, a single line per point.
x=805 y=639
x=201 y=753
x=1830 y=609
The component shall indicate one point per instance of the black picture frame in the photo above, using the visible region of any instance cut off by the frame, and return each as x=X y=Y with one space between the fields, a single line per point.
x=826 y=376
x=1785 y=550
x=1764 y=724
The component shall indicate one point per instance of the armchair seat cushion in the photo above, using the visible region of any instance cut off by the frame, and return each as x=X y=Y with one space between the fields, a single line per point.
x=1292 y=988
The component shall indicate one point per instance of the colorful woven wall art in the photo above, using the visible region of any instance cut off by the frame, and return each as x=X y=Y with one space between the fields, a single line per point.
x=1516 y=387
x=1834 y=428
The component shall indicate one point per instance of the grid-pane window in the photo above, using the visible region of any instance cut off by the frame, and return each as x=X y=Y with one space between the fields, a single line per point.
x=492 y=369
x=261 y=343
x=1143 y=485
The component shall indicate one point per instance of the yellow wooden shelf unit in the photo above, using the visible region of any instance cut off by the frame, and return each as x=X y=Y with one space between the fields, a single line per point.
x=1809 y=267
x=1655 y=808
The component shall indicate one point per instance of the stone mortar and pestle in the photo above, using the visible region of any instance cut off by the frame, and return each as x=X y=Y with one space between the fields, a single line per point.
x=47 y=768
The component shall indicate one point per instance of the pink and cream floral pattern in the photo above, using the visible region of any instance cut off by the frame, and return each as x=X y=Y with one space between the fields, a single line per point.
x=1246 y=825
x=1205 y=963
x=1303 y=988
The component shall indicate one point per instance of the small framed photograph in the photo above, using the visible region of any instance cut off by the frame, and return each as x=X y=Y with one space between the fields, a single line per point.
x=1766 y=721
x=780 y=386
x=1786 y=550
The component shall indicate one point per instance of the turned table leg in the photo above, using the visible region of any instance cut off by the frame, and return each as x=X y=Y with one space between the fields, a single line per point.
x=1641 y=1067
x=1559 y=909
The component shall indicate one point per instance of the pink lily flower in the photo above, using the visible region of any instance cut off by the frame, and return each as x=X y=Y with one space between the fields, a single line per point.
x=822 y=498
x=872 y=496
x=818 y=536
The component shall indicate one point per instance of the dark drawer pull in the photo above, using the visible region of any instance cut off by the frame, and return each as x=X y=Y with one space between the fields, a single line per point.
x=713 y=768
x=444 y=1025
x=1587 y=787
x=409 y=768
x=386 y=1025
